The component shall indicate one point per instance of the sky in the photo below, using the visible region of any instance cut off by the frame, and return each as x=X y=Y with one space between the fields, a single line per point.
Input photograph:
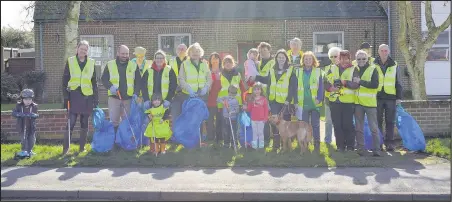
x=13 y=14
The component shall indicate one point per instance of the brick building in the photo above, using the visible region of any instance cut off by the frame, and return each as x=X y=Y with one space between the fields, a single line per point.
x=226 y=27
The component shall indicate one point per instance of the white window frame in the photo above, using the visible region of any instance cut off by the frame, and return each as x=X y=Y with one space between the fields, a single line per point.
x=175 y=35
x=314 y=39
x=442 y=46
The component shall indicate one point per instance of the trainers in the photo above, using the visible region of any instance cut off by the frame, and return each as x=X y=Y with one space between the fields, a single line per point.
x=376 y=153
x=32 y=153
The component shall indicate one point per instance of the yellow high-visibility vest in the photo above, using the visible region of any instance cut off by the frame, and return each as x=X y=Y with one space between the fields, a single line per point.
x=114 y=75
x=79 y=77
x=348 y=95
x=365 y=96
x=164 y=82
x=235 y=81
x=196 y=80
x=279 y=90
x=313 y=85
x=388 y=79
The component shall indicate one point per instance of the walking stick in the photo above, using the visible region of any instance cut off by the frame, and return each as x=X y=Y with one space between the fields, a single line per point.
x=230 y=124
x=127 y=117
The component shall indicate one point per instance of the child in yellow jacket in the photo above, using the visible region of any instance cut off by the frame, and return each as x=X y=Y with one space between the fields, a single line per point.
x=158 y=129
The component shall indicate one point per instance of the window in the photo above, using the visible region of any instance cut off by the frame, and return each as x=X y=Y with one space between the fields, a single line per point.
x=101 y=50
x=440 y=50
x=323 y=41
x=169 y=42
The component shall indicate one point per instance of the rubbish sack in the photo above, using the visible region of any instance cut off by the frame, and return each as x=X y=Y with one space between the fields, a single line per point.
x=124 y=136
x=104 y=132
x=186 y=127
x=368 y=141
x=138 y=118
x=412 y=136
x=245 y=121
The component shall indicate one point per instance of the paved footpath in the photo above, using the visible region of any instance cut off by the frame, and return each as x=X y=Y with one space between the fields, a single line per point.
x=321 y=184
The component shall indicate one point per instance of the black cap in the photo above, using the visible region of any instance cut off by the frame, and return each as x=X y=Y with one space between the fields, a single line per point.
x=365 y=45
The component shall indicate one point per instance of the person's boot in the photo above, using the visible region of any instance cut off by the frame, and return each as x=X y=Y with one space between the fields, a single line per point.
x=66 y=143
x=83 y=136
x=261 y=144
x=276 y=141
x=254 y=144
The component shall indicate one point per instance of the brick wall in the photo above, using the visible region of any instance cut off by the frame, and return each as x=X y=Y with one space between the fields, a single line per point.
x=220 y=36
x=433 y=116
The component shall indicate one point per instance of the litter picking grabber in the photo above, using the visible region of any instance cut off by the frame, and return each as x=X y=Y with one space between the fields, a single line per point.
x=127 y=117
x=69 y=117
x=230 y=124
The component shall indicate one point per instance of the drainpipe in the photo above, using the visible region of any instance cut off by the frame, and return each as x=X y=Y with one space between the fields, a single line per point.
x=389 y=27
x=40 y=48
x=285 y=33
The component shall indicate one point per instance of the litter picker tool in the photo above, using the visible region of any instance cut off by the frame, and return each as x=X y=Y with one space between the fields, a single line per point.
x=69 y=117
x=226 y=104
x=127 y=117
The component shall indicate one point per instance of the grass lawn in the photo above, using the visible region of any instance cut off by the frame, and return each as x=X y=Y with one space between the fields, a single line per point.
x=9 y=107
x=209 y=156
x=439 y=147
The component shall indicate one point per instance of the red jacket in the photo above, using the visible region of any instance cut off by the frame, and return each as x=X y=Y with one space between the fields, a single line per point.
x=214 y=90
x=258 y=109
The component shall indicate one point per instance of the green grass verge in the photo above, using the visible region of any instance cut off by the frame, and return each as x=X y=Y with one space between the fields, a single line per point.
x=9 y=107
x=439 y=147
x=209 y=156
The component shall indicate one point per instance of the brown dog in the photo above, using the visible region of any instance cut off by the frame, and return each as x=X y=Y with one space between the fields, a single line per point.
x=288 y=129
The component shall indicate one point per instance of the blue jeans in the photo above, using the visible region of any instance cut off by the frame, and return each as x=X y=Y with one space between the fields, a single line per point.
x=315 y=122
x=328 y=125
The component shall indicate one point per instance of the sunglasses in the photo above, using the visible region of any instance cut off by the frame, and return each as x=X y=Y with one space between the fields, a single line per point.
x=333 y=57
x=361 y=59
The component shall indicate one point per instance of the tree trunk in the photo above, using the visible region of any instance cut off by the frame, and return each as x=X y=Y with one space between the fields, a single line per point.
x=418 y=81
x=71 y=29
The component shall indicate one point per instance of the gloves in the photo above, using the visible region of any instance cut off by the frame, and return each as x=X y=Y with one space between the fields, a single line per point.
x=286 y=103
x=33 y=115
x=192 y=94
x=166 y=103
x=147 y=105
x=96 y=104
x=19 y=114
x=203 y=91
x=113 y=89
x=135 y=97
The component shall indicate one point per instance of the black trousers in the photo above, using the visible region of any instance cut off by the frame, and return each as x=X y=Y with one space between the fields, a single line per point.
x=389 y=109
x=214 y=124
x=84 y=118
x=344 y=130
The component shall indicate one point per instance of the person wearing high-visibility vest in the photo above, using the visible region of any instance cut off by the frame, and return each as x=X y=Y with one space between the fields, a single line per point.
x=194 y=78
x=389 y=93
x=80 y=86
x=176 y=63
x=310 y=93
x=366 y=47
x=265 y=64
x=342 y=100
x=159 y=79
x=295 y=52
x=142 y=65
x=119 y=76
x=333 y=55
x=366 y=103
x=282 y=84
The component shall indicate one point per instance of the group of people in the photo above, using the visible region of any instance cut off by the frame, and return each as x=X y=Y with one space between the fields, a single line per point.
x=290 y=84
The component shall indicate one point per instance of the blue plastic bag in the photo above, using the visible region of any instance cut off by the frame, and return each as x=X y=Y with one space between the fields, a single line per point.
x=104 y=132
x=368 y=141
x=186 y=128
x=127 y=139
x=139 y=120
x=245 y=122
x=412 y=136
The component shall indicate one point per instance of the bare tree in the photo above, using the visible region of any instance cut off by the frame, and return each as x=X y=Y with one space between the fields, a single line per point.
x=414 y=47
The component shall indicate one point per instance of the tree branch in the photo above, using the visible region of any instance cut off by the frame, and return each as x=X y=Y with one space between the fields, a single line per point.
x=413 y=31
x=428 y=15
x=445 y=24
